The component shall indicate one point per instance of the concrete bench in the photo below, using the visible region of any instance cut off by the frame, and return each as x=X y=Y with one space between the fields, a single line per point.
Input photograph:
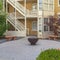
x=54 y=37
x=10 y=38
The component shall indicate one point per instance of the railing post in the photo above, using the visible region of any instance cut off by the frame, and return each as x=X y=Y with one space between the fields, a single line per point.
x=15 y=16
x=6 y=12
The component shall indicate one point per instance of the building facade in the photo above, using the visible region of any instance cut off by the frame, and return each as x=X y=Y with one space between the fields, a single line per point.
x=29 y=17
x=57 y=7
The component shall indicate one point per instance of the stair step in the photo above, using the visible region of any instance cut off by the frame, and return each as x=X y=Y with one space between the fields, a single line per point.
x=15 y=33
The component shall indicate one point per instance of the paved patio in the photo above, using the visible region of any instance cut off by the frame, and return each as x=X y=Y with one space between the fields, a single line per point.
x=22 y=50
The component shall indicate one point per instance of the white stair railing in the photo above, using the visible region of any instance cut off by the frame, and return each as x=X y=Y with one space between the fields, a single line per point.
x=17 y=21
x=18 y=26
x=18 y=6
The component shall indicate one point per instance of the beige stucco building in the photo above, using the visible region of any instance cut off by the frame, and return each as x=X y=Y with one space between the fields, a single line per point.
x=29 y=17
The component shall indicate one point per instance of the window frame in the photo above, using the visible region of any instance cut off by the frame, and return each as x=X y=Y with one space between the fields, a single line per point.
x=34 y=28
x=58 y=3
x=45 y=25
x=50 y=1
x=45 y=7
x=49 y=7
x=34 y=6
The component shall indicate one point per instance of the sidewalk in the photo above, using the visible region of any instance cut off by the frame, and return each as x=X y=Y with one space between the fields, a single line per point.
x=22 y=50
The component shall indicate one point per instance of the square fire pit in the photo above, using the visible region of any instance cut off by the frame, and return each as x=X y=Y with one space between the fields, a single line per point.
x=33 y=40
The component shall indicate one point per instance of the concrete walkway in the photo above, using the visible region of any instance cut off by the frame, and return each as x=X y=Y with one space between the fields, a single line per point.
x=22 y=50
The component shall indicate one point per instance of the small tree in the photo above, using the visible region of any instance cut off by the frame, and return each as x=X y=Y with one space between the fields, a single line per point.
x=54 y=24
x=2 y=19
x=1 y=5
x=2 y=23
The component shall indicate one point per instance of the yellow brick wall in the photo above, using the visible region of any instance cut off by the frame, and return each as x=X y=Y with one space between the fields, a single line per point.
x=11 y=9
x=56 y=7
x=29 y=21
x=29 y=25
x=29 y=4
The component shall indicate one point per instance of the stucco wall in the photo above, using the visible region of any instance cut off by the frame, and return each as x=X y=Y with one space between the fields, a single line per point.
x=29 y=25
x=56 y=7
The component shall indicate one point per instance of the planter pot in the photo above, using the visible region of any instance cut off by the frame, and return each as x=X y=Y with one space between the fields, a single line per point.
x=33 y=41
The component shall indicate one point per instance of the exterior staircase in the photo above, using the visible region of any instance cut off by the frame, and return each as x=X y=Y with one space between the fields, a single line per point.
x=21 y=9
x=21 y=31
x=20 y=28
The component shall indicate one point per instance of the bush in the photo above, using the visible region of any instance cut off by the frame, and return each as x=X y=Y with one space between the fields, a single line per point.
x=50 y=54
x=1 y=4
x=2 y=23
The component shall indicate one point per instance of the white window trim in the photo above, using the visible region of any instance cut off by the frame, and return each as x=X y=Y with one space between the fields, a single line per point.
x=58 y=14
x=52 y=4
x=47 y=25
x=58 y=3
x=34 y=5
x=32 y=26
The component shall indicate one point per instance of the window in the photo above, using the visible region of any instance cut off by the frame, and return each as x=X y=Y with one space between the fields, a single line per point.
x=34 y=25
x=46 y=27
x=40 y=24
x=51 y=7
x=34 y=6
x=40 y=4
x=50 y=28
x=58 y=2
x=45 y=7
x=40 y=1
x=51 y=1
x=45 y=1
x=45 y=20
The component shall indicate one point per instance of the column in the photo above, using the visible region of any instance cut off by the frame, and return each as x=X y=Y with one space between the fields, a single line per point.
x=6 y=12
x=15 y=16
x=25 y=14
x=40 y=20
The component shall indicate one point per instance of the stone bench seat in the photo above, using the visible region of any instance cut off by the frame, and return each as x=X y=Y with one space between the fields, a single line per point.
x=10 y=38
x=54 y=37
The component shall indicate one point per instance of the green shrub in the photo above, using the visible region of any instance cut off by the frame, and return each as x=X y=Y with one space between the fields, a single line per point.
x=3 y=16
x=50 y=54
x=1 y=4
x=2 y=23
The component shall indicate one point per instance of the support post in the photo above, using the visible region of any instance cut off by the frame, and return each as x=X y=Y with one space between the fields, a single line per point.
x=15 y=16
x=25 y=15
x=37 y=18
x=40 y=25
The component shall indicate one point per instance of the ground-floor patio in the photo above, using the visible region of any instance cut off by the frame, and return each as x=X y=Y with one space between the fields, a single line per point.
x=22 y=50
